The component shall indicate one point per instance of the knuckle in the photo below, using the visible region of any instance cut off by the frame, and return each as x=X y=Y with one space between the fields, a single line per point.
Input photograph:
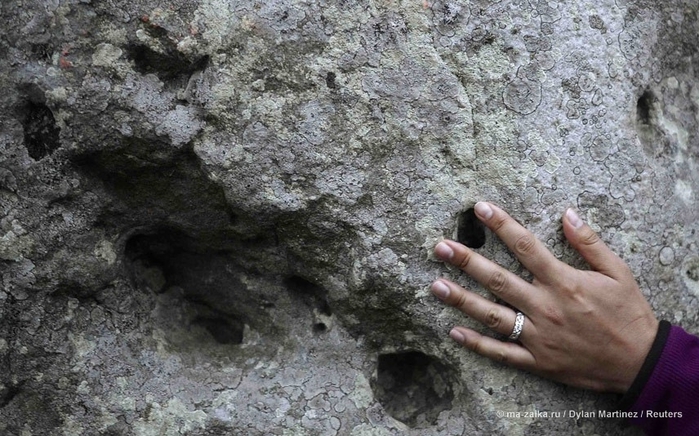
x=465 y=259
x=460 y=301
x=589 y=237
x=553 y=315
x=551 y=369
x=567 y=289
x=493 y=318
x=498 y=222
x=497 y=281
x=476 y=346
x=501 y=356
x=525 y=245
x=551 y=344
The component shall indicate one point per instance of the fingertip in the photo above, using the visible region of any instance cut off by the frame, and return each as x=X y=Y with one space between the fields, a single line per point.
x=440 y=290
x=483 y=210
x=457 y=335
x=591 y=247
x=573 y=218
x=443 y=251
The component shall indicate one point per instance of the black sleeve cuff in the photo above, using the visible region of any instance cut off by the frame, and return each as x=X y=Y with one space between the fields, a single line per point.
x=656 y=350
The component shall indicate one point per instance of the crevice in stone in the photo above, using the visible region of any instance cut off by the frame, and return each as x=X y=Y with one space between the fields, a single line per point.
x=413 y=387
x=320 y=327
x=147 y=255
x=218 y=302
x=41 y=134
x=649 y=126
x=43 y=51
x=167 y=66
x=330 y=80
x=470 y=230
x=644 y=108
x=156 y=185
x=224 y=329
x=10 y=393
x=181 y=235
x=312 y=295
x=209 y=282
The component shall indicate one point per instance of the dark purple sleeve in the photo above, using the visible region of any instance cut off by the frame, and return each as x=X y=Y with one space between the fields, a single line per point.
x=664 y=397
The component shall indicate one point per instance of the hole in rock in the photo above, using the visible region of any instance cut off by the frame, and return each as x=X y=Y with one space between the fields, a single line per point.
x=40 y=131
x=156 y=186
x=10 y=393
x=320 y=327
x=154 y=248
x=166 y=66
x=651 y=134
x=470 y=230
x=148 y=255
x=644 y=108
x=413 y=387
x=226 y=330
x=330 y=80
x=166 y=259
x=42 y=51
x=313 y=295
x=692 y=272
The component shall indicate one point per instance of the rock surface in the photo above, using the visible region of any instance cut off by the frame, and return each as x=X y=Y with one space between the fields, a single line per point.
x=216 y=216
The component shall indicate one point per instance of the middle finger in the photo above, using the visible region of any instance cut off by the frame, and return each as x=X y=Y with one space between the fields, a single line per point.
x=529 y=250
x=494 y=316
x=501 y=282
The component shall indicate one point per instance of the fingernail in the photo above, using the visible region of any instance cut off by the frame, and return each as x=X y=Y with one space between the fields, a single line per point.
x=483 y=210
x=440 y=289
x=443 y=251
x=574 y=218
x=457 y=336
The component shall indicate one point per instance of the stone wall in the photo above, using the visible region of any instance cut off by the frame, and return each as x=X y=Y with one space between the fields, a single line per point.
x=217 y=216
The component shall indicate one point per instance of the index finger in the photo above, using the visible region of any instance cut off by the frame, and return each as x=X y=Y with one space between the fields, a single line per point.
x=529 y=250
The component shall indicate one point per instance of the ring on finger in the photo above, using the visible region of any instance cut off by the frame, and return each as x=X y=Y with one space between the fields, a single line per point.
x=518 y=327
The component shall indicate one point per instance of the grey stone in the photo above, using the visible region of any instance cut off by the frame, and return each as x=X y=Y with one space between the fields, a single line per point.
x=217 y=216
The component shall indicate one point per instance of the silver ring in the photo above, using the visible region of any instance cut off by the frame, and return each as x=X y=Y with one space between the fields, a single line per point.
x=519 y=325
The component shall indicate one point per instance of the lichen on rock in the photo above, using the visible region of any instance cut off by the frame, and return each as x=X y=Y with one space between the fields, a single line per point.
x=217 y=216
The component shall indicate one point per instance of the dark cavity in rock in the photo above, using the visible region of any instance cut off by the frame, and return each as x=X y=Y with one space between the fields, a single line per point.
x=168 y=258
x=320 y=327
x=655 y=142
x=225 y=330
x=330 y=80
x=644 y=108
x=311 y=294
x=155 y=185
x=413 y=387
x=470 y=230
x=41 y=134
x=42 y=51
x=10 y=393
x=166 y=66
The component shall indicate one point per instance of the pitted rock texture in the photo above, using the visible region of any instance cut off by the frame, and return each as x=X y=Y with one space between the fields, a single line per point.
x=217 y=216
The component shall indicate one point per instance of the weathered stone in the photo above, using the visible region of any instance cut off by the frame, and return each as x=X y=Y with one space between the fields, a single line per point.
x=217 y=216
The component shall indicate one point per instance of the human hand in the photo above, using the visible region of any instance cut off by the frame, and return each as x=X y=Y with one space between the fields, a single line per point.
x=589 y=329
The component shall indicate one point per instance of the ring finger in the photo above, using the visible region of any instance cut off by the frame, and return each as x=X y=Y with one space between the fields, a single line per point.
x=494 y=316
x=501 y=282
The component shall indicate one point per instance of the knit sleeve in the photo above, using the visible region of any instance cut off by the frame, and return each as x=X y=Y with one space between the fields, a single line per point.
x=664 y=398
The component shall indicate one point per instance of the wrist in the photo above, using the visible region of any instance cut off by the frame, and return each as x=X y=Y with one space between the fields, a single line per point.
x=643 y=338
x=646 y=369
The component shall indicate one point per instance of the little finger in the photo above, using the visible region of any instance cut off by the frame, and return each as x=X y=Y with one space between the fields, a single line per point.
x=508 y=353
x=494 y=316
